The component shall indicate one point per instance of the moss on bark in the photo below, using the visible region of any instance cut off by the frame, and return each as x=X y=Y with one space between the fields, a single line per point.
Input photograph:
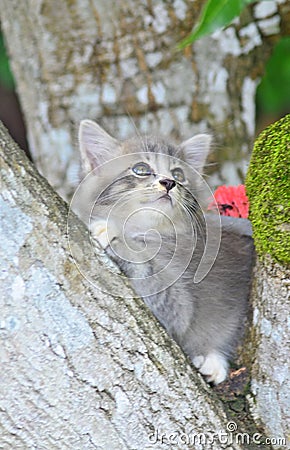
x=268 y=188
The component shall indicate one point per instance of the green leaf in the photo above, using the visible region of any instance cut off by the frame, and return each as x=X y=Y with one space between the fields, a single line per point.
x=273 y=93
x=215 y=14
x=6 y=77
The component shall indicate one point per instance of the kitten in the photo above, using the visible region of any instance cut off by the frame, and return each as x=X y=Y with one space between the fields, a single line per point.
x=142 y=202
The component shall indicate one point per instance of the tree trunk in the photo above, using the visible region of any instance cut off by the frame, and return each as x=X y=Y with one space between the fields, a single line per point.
x=108 y=60
x=270 y=349
x=81 y=368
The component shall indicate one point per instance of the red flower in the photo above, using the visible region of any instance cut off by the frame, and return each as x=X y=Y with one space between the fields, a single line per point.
x=231 y=201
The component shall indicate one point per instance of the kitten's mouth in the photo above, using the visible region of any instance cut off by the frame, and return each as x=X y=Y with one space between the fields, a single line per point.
x=165 y=197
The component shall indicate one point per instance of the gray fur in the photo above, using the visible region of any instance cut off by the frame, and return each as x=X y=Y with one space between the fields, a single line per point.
x=205 y=318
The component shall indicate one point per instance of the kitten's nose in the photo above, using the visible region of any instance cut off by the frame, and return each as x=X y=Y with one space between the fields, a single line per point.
x=167 y=183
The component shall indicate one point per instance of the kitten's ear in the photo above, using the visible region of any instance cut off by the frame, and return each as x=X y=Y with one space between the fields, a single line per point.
x=96 y=145
x=195 y=150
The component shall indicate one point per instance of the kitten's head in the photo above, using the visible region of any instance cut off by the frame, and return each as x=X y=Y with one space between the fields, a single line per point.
x=145 y=179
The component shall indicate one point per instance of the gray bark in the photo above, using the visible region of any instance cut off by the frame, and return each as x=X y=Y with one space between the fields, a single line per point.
x=269 y=349
x=82 y=369
x=104 y=59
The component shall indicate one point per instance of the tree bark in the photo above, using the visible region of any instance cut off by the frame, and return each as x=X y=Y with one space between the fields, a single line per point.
x=267 y=186
x=83 y=369
x=109 y=60
x=269 y=349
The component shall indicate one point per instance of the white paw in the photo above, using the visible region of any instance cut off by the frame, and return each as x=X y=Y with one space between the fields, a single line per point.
x=198 y=361
x=99 y=232
x=214 y=367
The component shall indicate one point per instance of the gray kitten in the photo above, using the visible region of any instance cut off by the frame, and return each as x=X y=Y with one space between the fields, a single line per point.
x=142 y=202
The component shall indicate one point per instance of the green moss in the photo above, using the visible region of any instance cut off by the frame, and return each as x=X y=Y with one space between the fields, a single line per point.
x=268 y=188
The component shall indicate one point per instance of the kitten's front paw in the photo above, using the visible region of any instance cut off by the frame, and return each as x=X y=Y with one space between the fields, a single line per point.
x=99 y=232
x=198 y=361
x=213 y=366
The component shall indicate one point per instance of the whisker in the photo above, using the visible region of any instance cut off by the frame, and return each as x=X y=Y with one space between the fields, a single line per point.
x=195 y=213
x=138 y=134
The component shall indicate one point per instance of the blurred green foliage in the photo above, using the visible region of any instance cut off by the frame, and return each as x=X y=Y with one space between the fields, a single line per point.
x=6 y=78
x=273 y=94
x=214 y=15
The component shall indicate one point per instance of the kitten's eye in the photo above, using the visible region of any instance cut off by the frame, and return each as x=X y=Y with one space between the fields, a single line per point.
x=142 y=169
x=178 y=175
